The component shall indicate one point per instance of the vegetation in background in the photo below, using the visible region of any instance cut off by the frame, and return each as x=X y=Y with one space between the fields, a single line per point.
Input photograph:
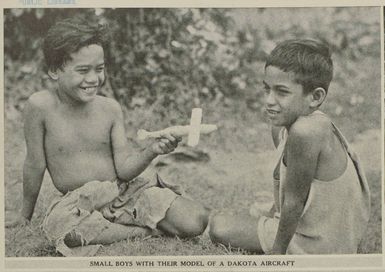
x=166 y=61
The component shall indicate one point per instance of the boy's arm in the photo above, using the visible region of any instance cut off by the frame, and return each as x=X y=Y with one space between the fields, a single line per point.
x=302 y=151
x=128 y=164
x=35 y=162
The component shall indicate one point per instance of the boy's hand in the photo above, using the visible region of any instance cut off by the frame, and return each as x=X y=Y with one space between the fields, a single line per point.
x=15 y=219
x=166 y=144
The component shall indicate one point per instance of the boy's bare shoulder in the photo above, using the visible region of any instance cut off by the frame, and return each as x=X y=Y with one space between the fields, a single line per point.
x=311 y=128
x=109 y=106
x=41 y=99
x=40 y=102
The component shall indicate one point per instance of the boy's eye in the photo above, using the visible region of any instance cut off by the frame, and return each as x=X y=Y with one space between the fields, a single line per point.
x=100 y=69
x=82 y=71
x=282 y=91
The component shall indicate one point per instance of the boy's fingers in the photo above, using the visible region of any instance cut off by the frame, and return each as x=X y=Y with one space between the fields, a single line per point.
x=170 y=137
x=164 y=149
x=166 y=142
x=177 y=138
x=162 y=145
x=170 y=144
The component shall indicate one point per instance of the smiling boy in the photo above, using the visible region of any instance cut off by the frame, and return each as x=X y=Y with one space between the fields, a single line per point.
x=321 y=196
x=79 y=137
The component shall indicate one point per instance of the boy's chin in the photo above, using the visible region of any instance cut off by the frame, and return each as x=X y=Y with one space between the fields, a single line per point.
x=87 y=99
x=279 y=123
x=275 y=122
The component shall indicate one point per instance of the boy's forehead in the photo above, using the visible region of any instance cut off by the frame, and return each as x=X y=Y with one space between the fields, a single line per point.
x=88 y=54
x=274 y=75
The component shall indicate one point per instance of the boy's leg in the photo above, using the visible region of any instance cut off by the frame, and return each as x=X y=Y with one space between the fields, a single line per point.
x=113 y=233
x=184 y=218
x=240 y=231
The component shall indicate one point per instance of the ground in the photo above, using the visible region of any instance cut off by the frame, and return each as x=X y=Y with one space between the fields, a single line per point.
x=220 y=176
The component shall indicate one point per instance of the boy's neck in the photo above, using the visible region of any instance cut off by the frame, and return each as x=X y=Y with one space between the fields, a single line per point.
x=308 y=113
x=65 y=100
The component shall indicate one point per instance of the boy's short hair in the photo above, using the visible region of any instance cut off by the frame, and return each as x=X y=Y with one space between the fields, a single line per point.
x=308 y=59
x=67 y=37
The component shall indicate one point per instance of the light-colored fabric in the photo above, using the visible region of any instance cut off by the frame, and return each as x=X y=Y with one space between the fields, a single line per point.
x=76 y=208
x=90 y=209
x=152 y=205
x=267 y=230
x=336 y=212
x=130 y=208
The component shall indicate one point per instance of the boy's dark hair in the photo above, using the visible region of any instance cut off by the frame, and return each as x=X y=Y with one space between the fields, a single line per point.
x=67 y=37
x=308 y=59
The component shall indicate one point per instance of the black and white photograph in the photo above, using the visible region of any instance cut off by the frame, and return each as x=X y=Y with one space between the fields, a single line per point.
x=208 y=138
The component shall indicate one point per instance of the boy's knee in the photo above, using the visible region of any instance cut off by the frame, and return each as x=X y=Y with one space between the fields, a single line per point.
x=185 y=222
x=218 y=230
x=202 y=220
x=197 y=223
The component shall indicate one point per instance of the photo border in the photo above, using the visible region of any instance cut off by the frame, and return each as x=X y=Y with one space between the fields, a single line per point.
x=359 y=262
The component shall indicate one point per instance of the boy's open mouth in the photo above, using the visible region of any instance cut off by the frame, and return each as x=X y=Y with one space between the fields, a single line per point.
x=271 y=112
x=89 y=90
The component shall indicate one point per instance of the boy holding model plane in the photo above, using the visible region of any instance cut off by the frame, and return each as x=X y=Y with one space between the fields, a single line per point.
x=79 y=137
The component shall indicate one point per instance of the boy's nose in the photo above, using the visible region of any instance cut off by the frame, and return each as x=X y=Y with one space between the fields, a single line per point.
x=91 y=77
x=270 y=99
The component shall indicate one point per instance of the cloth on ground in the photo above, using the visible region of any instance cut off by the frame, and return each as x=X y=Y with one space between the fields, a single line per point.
x=92 y=208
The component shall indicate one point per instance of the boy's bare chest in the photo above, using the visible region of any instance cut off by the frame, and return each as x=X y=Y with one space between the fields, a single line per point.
x=69 y=133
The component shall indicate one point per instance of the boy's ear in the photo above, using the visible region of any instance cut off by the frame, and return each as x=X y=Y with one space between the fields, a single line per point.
x=53 y=74
x=317 y=97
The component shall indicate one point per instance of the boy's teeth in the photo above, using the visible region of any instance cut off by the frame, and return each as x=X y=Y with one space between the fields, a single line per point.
x=89 y=89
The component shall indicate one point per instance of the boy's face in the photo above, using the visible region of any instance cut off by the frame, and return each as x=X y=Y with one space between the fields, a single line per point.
x=81 y=77
x=284 y=97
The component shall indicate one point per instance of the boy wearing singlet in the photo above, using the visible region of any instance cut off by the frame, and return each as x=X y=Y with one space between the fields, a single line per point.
x=321 y=196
